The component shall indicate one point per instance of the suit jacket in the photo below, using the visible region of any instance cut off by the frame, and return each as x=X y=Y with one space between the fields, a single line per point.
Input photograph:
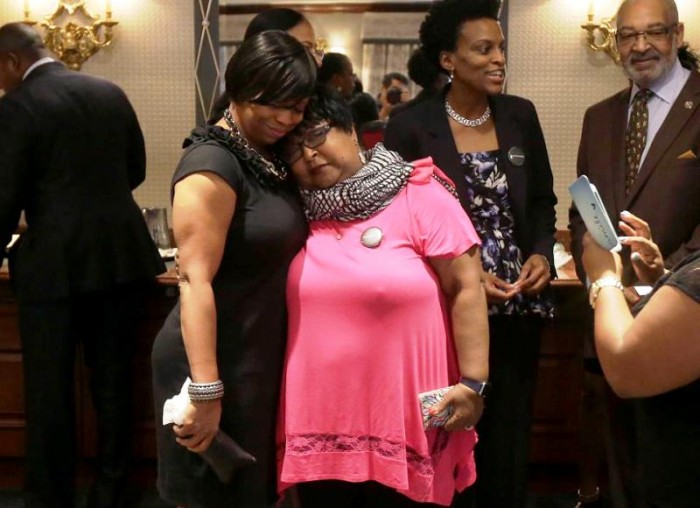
x=666 y=192
x=423 y=130
x=71 y=151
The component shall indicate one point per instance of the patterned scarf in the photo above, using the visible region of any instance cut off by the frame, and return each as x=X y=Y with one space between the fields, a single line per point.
x=366 y=193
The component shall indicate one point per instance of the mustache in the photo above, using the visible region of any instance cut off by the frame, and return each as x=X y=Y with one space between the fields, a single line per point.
x=649 y=53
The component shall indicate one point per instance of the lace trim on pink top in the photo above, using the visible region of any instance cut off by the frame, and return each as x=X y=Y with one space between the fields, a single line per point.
x=313 y=444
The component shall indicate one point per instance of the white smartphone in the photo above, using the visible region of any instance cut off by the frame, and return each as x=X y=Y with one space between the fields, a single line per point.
x=593 y=213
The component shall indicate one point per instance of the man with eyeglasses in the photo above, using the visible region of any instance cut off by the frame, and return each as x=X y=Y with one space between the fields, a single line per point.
x=641 y=148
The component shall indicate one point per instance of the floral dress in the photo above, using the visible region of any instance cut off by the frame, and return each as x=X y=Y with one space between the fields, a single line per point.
x=490 y=212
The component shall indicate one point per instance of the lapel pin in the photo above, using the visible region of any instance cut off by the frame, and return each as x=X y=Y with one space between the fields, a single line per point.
x=688 y=104
x=516 y=156
x=372 y=237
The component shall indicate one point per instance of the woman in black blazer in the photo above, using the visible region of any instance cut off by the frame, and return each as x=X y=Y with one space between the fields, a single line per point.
x=492 y=147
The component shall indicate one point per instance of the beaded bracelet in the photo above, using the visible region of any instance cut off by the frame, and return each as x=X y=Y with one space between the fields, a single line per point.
x=205 y=392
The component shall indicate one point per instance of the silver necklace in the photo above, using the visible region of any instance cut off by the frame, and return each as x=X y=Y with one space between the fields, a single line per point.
x=466 y=121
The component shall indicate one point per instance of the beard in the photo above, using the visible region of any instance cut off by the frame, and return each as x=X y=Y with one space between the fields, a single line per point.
x=661 y=68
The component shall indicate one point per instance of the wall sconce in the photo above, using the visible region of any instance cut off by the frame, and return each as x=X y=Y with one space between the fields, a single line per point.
x=601 y=35
x=73 y=43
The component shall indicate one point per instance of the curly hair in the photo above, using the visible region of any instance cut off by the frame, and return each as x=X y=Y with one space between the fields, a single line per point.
x=326 y=105
x=440 y=29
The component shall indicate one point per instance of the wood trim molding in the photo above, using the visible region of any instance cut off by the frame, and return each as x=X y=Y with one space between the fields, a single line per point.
x=329 y=8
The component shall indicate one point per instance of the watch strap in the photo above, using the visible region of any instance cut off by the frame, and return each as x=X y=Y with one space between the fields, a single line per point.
x=480 y=387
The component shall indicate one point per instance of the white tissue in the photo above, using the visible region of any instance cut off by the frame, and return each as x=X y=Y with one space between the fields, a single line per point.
x=174 y=408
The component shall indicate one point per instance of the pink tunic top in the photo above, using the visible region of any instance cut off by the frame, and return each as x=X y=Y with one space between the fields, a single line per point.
x=369 y=330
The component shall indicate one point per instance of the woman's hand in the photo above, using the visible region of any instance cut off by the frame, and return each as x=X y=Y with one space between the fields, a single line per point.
x=598 y=261
x=497 y=290
x=467 y=407
x=534 y=275
x=200 y=426
x=647 y=261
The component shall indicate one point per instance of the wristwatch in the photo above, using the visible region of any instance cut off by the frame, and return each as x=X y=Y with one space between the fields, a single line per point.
x=605 y=282
x=480 y=387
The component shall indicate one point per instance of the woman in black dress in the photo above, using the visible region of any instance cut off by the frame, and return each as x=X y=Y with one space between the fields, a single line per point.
x=652 y=355
x=237 y=224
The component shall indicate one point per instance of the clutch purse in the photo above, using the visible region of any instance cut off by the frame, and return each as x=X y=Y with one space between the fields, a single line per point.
x=428 y=400
x=225 y=456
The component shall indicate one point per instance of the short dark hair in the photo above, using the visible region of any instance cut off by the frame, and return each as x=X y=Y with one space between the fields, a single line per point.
x=326 y=105
x=440 y=28
x=19 y=37
x=272 y=68
x=364 y=108
x=422 y=71
x=333 y=63
x=391 y=76
x=273 y=19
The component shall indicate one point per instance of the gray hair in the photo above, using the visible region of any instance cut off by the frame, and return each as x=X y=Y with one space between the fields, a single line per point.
x=670 y=8
x=19 y=37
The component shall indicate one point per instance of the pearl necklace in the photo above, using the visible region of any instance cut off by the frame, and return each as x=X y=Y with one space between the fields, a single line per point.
x=466 y=121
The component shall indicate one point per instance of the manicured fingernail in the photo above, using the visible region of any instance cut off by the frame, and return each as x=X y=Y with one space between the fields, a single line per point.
x=432 y=411
x=635 y=256
x=625 y=212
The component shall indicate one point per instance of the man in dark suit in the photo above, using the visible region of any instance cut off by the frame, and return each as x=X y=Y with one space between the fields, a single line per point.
x=71 y=152
x=660 y=182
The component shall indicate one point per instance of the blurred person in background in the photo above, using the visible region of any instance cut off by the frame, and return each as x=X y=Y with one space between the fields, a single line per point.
x=364 y=107
x=394 y=92
x=337 y=72
x=425 y=74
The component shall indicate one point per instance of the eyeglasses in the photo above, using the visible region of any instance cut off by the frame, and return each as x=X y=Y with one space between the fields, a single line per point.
x=313 y=138
x=626 y=38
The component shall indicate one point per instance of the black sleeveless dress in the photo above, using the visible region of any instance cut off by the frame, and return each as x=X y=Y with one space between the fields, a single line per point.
x=267 y=230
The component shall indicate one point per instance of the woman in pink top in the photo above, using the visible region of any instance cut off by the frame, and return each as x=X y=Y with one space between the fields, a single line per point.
x=385 y=302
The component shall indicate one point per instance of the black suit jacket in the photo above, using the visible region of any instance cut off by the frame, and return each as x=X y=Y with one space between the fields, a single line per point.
x=71 y=151
x=423 y=131
x=666 y=192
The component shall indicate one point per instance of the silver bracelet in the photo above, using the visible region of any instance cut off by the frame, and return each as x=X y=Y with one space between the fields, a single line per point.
x=205 y=392
x=549 y=267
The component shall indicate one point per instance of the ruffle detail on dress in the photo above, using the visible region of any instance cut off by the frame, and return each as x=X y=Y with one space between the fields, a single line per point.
x=252 y=161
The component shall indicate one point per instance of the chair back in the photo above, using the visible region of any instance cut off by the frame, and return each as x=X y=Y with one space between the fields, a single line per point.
x=371 y=133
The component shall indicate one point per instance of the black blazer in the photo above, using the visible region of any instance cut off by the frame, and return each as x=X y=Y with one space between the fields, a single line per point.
x=423 y=131
x=71 y=152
